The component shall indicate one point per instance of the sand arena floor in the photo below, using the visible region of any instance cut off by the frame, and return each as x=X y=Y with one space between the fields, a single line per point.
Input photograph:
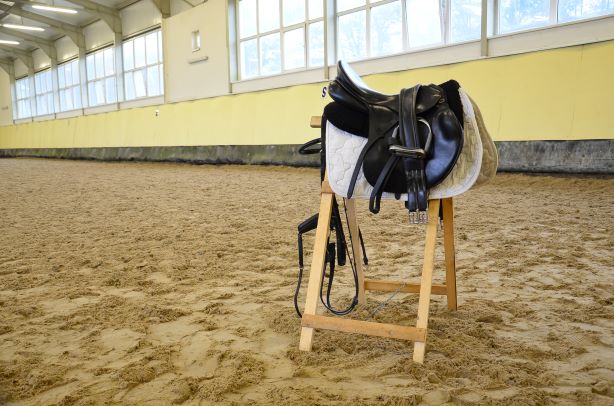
x=139 y=283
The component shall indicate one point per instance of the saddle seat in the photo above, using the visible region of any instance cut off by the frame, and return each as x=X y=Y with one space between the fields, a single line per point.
x=357 y=95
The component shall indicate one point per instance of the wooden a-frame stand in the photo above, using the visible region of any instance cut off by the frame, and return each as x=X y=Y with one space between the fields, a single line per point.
x=425 y=288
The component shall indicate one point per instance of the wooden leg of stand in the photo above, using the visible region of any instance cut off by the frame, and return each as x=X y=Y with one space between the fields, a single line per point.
x=426 y=280
x=317 y=265
x=356 y=248
x=448 y=245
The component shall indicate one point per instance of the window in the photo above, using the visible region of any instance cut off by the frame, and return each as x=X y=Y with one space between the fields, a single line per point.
x=195 y=41
x=575 y=9
x=22 y=94
x=368 y=28
x=68 y=83
x=43 y=87
x=279 y=35
x=101 y=87
x=465 y=20
x=143 y=74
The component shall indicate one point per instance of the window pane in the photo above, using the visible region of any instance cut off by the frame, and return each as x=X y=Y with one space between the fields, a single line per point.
x=316 y=9
x=91 y=93
x=270 y=58
x=386 y=29
x=129 y=85
x=153 y=81
x=294 y=11
x=37 y=84
x=90 y=67
x=110 y=90
x=76 y=97
x=49 y=81
x=75 y=72
x=100 y=92
x=249 y=59
x=151 y=42
x=343 y=5
x=139 y=52
x=69 y=73
x=40 y=109
x=423 y=22
x=50 y=103
x=68 y=104
x=161 y=78
x=268 y=15
x=465 y=20
x=575 y=9
x=160 y=46
x=61 y=70
x=352 y=36
x=62 y=95
x=517 y=15
x=128 y=49
x=139 y=83
x=294 y=49
x=316 y=44
x=109 y=61
x=99 y=65
x=247 y=18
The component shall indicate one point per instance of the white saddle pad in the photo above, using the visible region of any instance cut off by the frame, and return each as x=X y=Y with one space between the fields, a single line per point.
x=477 y=161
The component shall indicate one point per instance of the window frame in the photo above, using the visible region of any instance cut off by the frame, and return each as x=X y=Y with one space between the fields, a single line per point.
x=27 y=98
x=529 y=37
x=281 y=30
x=102 y=79
x=44 y=94
x=72 y=86
x=159 y=63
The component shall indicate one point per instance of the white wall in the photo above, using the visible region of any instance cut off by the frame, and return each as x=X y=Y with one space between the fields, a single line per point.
x=6 y=108
x=194 y=75
x=41 y=61
x=66 y=49
x=97 y=34
x=179 y=6
x=139 y=16
x=20 y=69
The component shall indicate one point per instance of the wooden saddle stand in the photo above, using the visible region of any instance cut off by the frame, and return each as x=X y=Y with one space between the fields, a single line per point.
x=425 y=288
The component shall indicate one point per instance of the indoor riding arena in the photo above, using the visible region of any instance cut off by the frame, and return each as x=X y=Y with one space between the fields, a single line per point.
x=306 y=202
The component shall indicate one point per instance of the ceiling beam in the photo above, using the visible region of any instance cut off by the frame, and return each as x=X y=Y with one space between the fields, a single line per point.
x=164 y=6
x=25 y=57
x=107 y=14
x=7 y=66
x=46 y=46
x=73 y=32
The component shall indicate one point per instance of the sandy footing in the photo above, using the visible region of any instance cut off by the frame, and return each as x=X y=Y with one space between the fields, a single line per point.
x=138 y=283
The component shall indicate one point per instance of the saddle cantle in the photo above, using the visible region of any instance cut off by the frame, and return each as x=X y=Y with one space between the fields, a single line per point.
x=414 y=138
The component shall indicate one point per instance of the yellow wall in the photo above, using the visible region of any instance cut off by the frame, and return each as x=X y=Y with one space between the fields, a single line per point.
x=562 y=94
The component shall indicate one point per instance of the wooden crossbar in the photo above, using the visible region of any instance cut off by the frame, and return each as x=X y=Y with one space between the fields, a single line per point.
x=391 y=286
x=364 y=327
x=315 y=122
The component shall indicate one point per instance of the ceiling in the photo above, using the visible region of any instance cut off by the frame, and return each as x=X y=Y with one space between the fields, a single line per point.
x=17 y=12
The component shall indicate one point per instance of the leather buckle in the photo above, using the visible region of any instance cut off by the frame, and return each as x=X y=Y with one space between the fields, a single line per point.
x=400 y=150
x=418 y=217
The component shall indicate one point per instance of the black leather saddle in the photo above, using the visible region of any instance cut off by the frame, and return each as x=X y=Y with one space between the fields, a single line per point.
x=414 y=137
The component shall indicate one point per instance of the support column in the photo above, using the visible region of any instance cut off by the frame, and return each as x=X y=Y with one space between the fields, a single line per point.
x=83 y=78
x=119 y=66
